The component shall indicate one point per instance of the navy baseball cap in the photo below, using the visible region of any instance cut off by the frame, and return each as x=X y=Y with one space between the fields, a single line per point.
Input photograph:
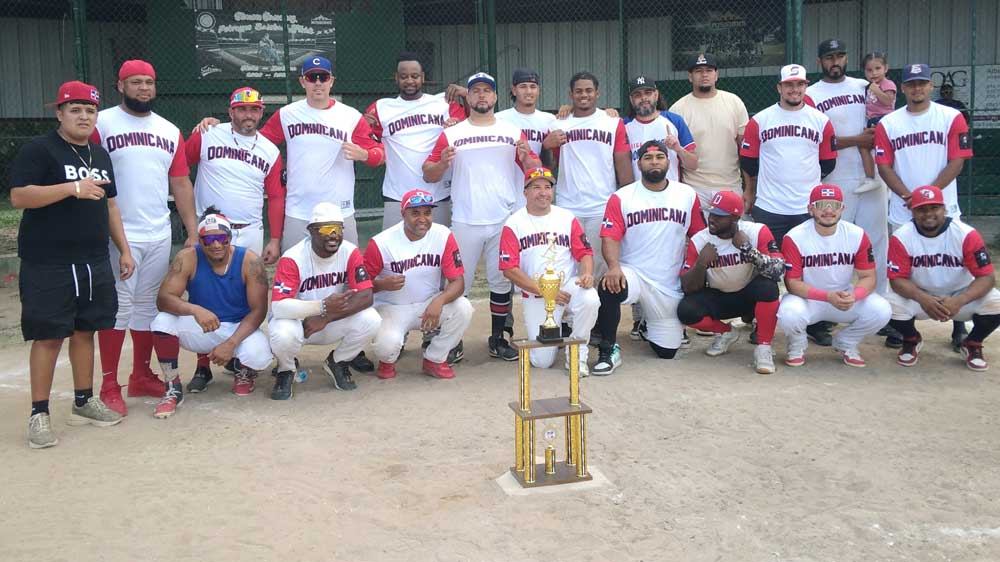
x=317 y=64
x=522 y=75
x=916 y=72
x=481 y=77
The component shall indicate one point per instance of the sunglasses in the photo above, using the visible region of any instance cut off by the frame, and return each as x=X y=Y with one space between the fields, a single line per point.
x=328 y=229
x=828 y=204
x=317 y=77
x=539 y=173
x=209 y=239
x=246 y=96
x=419 y=199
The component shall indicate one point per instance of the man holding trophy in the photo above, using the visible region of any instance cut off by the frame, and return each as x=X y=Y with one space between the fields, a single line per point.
x=545 y=253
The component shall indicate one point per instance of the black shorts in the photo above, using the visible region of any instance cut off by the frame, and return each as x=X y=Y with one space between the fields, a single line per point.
x=779 y=225
x=57 y=300
x=723 y=306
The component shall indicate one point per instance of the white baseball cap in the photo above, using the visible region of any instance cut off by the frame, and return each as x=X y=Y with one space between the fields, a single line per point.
x=793 y=73
x=326 y=212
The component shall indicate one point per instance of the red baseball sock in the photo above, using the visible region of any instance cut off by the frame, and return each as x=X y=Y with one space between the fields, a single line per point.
x=202 y=360
x=142 y=351
x=110 y=343
x=708 y=324
x=766 y=314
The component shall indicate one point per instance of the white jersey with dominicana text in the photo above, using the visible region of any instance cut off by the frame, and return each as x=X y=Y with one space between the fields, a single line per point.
x=303 y=275
x=658 y=129
x=233 y=171
x=424 y=262
x=534 y=125
x=586 y=162
x=525 y=240
x=943 y=265
x=486 y=172
x=918 y=147
x=790 y=145
x=653 y=227
x=730 y=271
x=844 y=103
x=145 y=152
x=827 y=262
x=409 y=129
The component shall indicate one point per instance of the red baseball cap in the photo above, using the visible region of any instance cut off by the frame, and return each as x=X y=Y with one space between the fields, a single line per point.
x=535 y=173
x=245 y=96
x=726 y=203
x=417 y=198
x=826 y=192
x=926 y=195
x=77 y=91
x=136 y=67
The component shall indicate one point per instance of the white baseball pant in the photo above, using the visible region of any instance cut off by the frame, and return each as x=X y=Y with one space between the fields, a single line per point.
x=583 y=305
x=592 y=228
x=254 y=351
x=481 y=241
x=866 y=317
x=905 y=309
x=399 y=319
x=137 y=294
x=869 y=211
x=250 y=237
x=659 y=310
x=295 y=230
x=352 y=333
x=392 y=215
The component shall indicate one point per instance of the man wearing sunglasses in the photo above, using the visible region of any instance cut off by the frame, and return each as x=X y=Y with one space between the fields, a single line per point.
x=407 y=264
x=227 y=302
x=322 y=295
x=823 y=256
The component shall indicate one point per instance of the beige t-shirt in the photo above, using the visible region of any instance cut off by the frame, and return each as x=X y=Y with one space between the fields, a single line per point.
x=714 y=122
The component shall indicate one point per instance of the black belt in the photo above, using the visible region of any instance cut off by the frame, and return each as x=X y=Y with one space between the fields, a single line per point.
x=237 y=226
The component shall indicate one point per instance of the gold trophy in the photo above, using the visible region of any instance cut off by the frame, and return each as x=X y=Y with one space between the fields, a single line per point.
x=549 y=284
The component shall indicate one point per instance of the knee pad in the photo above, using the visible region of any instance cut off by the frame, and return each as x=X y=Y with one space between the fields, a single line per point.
x=662 y=352
x=614 y=298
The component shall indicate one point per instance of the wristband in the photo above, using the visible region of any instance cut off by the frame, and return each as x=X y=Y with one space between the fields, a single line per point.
x=77 y=184
x=815 y=294
x=860 y=292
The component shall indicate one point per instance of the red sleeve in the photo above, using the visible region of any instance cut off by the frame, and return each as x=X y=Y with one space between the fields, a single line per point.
x=959 y=143
x=899 y=260
x=179 y=166
x=510 y=250
x=440 y=145
x=192 y=148
x=766 y=243
x=613 y=225
x=828 y=147
x=884 y=153
x=751 y=140
x=578 y=243
x=362 y=136
x=272 y=129
x=809 y=101
x=976 y=256
x=697 y=219
x=517 y=159
x=357 y=276
x=457 y=111
x=95 y=137
x=376 y=129
x=286 y=280
x=373 y=259
x=451 y=261
x=621 y=138
x=865 y=258
x=275 y=199
x=793 y=259
x=691 y=256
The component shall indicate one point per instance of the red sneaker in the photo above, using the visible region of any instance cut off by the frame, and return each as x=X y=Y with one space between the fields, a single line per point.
x=386 y=370
x=168 y=404
x=243 y=383
x=112 y=398
x=438 y=370
x=973 y=354
x=146 y=384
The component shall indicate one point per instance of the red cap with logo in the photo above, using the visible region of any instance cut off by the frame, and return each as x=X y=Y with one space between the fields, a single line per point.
x=926 y=195
x=826 y=192
x=535 y=173
x=245 y=96
x=726 y=203
x=79 y=92
x=136 y=67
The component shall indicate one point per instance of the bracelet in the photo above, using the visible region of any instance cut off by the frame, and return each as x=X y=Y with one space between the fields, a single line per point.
x=860 y=292
x=815 y=294
x=322 y=308
x=77 y=184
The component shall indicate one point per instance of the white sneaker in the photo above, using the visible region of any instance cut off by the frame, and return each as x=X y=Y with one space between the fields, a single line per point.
x=722 y=342
x=763 y=360
x=584 y=370
x=40 y=434
x=606 y=364
x=870 y=184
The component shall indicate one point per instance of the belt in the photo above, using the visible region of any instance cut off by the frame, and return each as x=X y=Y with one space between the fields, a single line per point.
x=237 y=226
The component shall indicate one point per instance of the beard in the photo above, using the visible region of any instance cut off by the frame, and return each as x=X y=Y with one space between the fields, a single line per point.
x=654 y=176
x=793 y=103
x=705 y=89
x=482 y=110
x=645 y=110
x=833 y=72
x=138 y=106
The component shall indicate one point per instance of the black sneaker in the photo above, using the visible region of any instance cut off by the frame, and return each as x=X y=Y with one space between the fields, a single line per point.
x=893 y=339
x=500 y=349
x=958 y=334
x=565 y=330
x=456 y=354
x=819 y=333
x=362 y=364
x=234 y=365
x=340 y=372
x=282 y=386
x=274 y=370
x=201 y=379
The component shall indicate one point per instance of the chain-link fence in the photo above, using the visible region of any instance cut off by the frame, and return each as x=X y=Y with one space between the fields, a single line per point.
x=203 y=49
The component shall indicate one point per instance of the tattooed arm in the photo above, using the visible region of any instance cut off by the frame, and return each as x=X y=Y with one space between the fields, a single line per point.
x=255 y=279
x=173 y=286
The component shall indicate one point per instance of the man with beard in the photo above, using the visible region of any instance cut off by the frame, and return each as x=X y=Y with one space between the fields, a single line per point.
x=940 y=269
x=150 y=163
x=227 y=302
x=485 y=155
x=645 y=229
x=717 y=120
x=408 y=126
x=322 y=295
x=648 y=120
x=731 y=271
x=824 y=256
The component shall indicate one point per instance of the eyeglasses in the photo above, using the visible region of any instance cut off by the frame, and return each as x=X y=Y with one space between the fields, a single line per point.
x=328 y=229
x=246 y=96
x=828 y=204
x=539 y=173
x=317 y=77
x=419 y=199
x=209 y=239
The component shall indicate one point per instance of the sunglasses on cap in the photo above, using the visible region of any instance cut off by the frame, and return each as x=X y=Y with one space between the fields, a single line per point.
x=539 y=173
x=209 y=239
x=828 y=204
x=317 y=77
x=328 y=229
x=420 y=198
x=246 y=96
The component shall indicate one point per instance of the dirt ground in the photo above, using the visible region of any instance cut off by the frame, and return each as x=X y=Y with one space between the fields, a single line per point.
x=706 y=462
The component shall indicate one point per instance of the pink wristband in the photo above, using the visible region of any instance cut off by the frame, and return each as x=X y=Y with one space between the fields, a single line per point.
x=815 y=294
x=860 y=292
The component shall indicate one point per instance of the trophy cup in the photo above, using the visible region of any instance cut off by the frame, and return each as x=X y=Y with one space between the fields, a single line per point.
x=549 y=284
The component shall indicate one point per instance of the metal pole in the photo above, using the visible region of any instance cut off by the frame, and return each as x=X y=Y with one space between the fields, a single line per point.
x=288 y=62
x=80 y=40
x=793 y=31
x=972 y=104
x=491 y=36
x=483 y=39
x=623 y=74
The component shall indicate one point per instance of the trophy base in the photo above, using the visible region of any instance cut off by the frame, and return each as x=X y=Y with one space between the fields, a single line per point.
x=550 y=335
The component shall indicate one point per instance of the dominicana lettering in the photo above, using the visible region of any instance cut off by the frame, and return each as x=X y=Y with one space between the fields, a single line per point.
x=790 y=131
x=597 y=135
x=296 y=129
x=542 y=239
x=729 y=260
x=240 y=154
x=419 y=260
x=533 y=135
x=828 y=260
x=140 y=138
x=915 y=139
x=484 y=138
x=414 y=121
x=323 y=280
x=654 y=215
x=936 y=260
x=837 y=101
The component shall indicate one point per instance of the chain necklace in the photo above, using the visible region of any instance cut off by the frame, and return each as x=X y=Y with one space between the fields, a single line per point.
x=256 y=135
x=90 y=153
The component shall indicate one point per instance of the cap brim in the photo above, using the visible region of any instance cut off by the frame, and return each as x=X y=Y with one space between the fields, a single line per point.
x=246 y=103
x=794 y=79
x=720 y=212
x=917 y=78
x=432 y=205
x=925 y=203
x=694 y=66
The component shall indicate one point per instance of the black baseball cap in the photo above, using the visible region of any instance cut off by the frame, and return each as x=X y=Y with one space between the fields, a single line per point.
x=831 y=46
x=641 y=82
x=522 y=75
x=702 y=59
x=651 y=145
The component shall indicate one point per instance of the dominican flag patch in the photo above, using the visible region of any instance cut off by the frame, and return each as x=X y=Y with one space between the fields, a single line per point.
x=504 y=256
x=282 y=288
x=893 y=266
x=826 y=192
x=879 y=151
x=607 y=223
x=745 y=145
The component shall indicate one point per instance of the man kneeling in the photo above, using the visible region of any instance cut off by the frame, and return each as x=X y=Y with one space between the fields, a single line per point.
x=407 y=262
x=227 y=302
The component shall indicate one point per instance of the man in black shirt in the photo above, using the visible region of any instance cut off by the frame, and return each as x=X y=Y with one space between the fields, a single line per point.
x=948 y=98
x=65 y=184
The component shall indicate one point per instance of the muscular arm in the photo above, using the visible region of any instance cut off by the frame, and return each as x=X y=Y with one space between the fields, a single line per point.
x=183 y=192
x=866 y=279
x=798 y=287
x=907 y=289
x=949 y=173
x=181 y=270
x=693 y=280
x=611 y=249
x=623 y=168
x=255 y=279
x=891 y=179
x=522 y=280
x=452 y=290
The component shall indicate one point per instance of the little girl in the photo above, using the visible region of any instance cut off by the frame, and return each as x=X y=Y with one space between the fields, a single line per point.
x=881 y=98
